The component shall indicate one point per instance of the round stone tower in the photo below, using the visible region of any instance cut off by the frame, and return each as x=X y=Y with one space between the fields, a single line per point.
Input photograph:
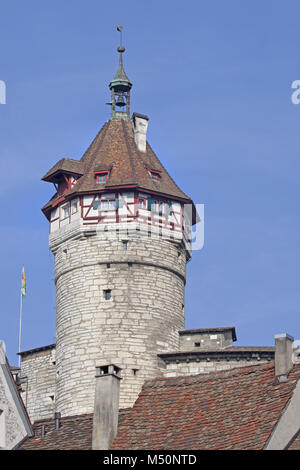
x=119 y=230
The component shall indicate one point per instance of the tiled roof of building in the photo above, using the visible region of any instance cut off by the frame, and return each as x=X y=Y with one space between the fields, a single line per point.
x=74 y=433
x=294 y=444
x=66 y=165
x=234 y=409
x=114 y=148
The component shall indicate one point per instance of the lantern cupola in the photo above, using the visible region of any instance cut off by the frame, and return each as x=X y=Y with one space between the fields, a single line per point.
x=120 y=87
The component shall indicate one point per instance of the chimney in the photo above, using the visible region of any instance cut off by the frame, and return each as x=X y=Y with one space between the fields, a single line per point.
x=140 y=126
x=106 y=409
x=57 y=417
x=283 y=355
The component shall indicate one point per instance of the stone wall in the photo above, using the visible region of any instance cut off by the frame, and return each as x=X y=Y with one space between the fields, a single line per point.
x=200 y=340
x=38 y=372
x=11 y=427
x=174 y=369
x=142 y=317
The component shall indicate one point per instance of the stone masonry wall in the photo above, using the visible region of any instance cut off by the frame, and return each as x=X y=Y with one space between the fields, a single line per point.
x=142 y=318
x=198 y=341
x=39 y=388
x=204 y=367
x=13 y=429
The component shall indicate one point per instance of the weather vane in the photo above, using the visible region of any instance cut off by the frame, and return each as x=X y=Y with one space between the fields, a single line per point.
x=119 y=28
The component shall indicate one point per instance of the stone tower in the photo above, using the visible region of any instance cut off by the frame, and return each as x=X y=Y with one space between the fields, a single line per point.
x=119 y=231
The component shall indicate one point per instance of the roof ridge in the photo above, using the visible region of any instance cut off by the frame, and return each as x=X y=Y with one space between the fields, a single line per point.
x=209 y=376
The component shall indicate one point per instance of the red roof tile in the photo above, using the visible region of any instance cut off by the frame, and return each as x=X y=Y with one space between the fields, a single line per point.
x=236 y=409
x=294 y=444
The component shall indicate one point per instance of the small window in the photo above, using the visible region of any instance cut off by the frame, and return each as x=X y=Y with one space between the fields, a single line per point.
x=142 y=203
x=112 y=204
x=108 y=204
x=197 y=345
x=74 y=207
x=104 y=205
x=125 y=245
x=107 y=294
x=102 y=177
x=158 y=206
x=66 y=211
x=154 y=174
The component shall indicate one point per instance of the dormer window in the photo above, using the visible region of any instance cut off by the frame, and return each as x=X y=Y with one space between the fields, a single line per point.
x=155 y=174
x=101 y=176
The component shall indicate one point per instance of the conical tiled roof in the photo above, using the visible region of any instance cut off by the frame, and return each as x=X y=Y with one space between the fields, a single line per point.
x=114 y=149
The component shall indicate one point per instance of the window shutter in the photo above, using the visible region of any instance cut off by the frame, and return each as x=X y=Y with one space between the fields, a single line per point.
x=119 y=203
x=149 y=203
x=96 y=205
x=169 y=208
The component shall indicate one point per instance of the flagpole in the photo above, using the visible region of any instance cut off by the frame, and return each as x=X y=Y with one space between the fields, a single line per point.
x=20 y=326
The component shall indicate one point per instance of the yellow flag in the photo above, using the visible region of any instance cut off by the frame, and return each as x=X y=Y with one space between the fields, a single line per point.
x=23 y=286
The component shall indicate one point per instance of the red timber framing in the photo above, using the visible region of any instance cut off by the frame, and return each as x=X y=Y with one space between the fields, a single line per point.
x=136 y=210
x=158 y=216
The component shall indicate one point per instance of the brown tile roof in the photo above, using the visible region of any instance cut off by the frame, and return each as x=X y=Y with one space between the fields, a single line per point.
x=236 y=409
x=75 y=433
x=65 y=165
x=114 y=148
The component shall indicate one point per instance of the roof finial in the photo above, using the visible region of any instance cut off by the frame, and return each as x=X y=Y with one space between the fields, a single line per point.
x=120 y=87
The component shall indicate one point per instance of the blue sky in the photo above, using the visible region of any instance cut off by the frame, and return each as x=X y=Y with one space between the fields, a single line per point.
x=215 y=79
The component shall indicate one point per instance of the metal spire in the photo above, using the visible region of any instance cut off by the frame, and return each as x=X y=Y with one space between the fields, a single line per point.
x=120 y=87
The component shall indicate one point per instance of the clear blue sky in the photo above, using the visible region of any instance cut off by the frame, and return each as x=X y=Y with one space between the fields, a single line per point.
x=215 y=78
